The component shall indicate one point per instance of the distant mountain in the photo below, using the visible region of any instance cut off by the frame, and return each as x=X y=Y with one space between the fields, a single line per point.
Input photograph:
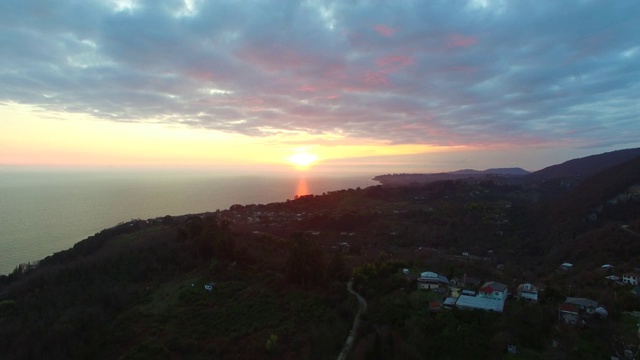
x=407 y=179
x=586 y=166
x=496 y=171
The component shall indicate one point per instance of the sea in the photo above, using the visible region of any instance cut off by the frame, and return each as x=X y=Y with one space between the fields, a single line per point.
x=46 y=211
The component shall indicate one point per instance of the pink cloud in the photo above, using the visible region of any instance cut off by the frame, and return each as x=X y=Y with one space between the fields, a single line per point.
x=384 y=30
x=375 y=78
x=389 y=64
x=272 y=59
x=457 y=40
x=307 y=88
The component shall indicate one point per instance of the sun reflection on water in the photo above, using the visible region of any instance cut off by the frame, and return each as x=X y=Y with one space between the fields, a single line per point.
x=302 y=188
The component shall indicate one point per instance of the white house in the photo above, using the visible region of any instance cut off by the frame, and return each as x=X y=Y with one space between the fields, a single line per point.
x=528 y=291
x=565 y=266
x=584 y=304
x=631 y=278
x=429 y=280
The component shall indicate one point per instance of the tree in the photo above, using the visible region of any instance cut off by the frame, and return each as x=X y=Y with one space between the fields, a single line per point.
x=336 y=269
x=167 y=220
x=305 y=264
x=212 y=237
x=272 y=343
x=7 y=307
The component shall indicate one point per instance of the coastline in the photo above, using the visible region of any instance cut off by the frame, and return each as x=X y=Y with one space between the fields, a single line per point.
x=51 y=212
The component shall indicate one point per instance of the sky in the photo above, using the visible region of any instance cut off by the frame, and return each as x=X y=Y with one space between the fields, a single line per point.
x=346 y=86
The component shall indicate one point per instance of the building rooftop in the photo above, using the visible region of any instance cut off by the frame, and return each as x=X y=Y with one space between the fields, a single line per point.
x=527 y=288
x=570 y=308
x=450 y=301
x=582 y=302
x=472 y=302
x=431 y=276
x=491 y=286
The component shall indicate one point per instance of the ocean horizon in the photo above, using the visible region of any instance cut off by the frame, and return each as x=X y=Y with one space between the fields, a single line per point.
x=46 y=211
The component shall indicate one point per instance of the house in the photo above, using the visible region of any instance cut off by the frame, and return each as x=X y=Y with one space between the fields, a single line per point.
x=568 y=313
x=613 y=278
x=583 y=304
x=565 y=266
x=490 y=297
x=602 y=312
x=450 y=302
x=493 y=290
x=466 y=302
x=429 y=280
x=209 y=286
x=631 y=278
x=528 y=292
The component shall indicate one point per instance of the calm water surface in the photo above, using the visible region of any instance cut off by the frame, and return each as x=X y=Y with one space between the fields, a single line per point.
x=45 y=212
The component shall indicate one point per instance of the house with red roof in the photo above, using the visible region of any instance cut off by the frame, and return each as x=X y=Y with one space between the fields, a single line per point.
x=493 y=290
x=569 y=313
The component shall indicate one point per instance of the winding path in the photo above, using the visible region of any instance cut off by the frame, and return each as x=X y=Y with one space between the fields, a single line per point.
x=362 y=308
x=626 y=228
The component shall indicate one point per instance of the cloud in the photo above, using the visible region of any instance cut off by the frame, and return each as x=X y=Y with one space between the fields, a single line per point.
x=437 y=73
x=384 y=30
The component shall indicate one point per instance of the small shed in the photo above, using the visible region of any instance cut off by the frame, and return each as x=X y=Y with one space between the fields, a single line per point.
x=602 y=312
x=565 y=266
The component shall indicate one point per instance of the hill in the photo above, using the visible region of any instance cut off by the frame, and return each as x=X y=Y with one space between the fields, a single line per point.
x=586 y=166
x=575 y=169
x=609 y=188
x=496 y=171
x=498 y=174
x=277 y=274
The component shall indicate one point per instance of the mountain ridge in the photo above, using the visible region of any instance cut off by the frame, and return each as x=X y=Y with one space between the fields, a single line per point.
x=495 y=171
x=575 y=168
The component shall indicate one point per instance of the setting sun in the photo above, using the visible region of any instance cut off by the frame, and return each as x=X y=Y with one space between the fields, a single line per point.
x=303 y=159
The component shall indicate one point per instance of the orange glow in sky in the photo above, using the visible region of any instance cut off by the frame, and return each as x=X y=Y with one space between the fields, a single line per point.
x=344 y=88
x=302 y=160
x=30 y=136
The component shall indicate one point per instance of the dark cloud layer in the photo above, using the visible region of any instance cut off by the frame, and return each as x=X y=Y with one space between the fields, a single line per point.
x=436 y=72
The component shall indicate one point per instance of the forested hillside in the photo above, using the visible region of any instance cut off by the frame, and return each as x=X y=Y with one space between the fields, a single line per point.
x=276 y=275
